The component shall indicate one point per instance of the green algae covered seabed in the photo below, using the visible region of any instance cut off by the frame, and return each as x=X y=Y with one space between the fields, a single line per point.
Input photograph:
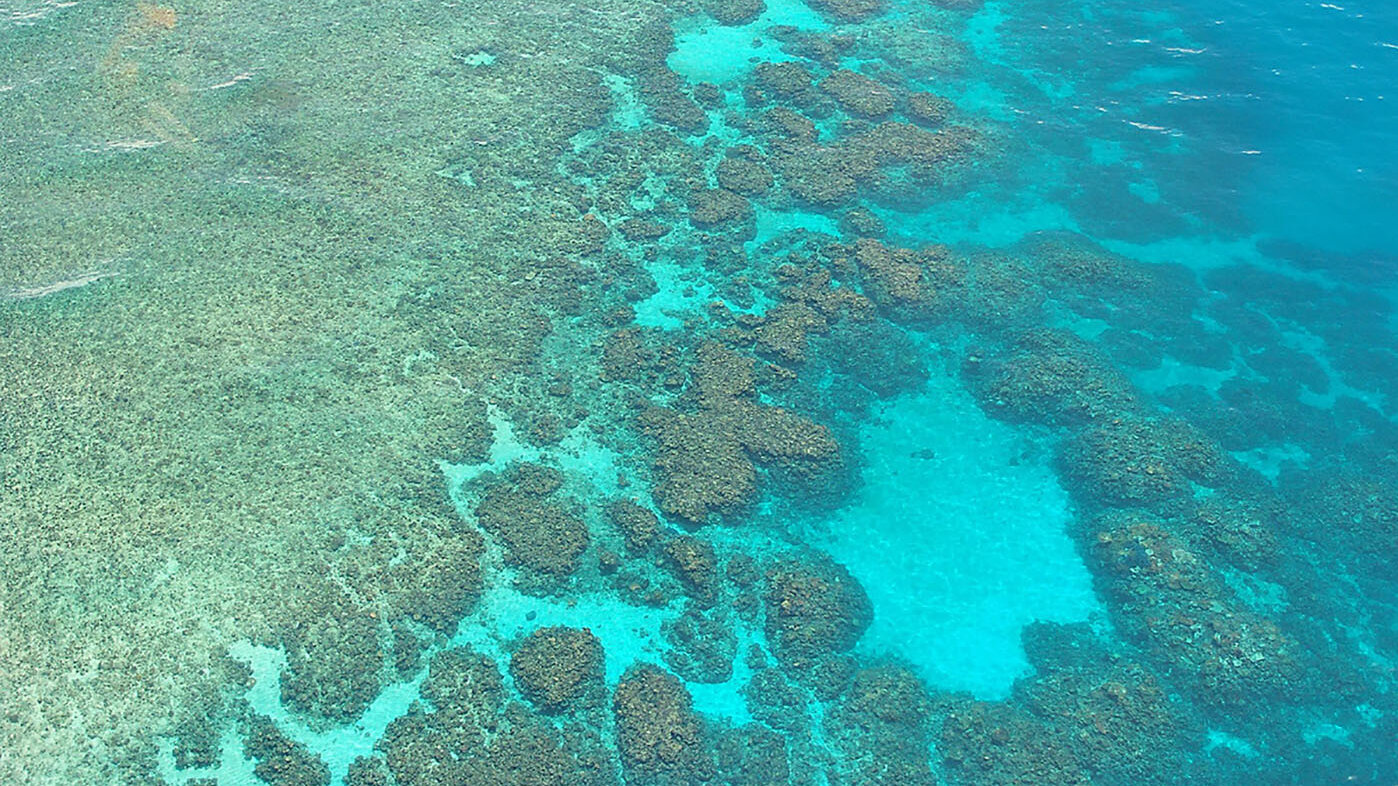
x=297 y=308
x=425 y=393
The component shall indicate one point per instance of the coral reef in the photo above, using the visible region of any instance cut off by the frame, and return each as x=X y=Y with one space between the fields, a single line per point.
x=717 y=208
x=539 y=535
x=703 y=645
x=639 y=527
x=996 y=744
x=850 y=10
x=658 y=735
x=1120 y=721
x=695 y=564
x=880 y=725
x=734 y=12
x=858 y=94
x=751 y=755
x=333 y=657
x=814 y=608
x=1169 y=600
x=928 y=109
x=1141 y=462
x=559 y=668
x=1048 y=377
x=280 y=761
x=744 y=173
x=706 y=452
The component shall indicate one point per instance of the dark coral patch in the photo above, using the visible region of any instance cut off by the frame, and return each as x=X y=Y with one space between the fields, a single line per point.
x=815 y=608
x=557 y=668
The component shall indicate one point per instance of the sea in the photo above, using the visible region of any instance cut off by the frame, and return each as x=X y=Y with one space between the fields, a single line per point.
x=741 y=392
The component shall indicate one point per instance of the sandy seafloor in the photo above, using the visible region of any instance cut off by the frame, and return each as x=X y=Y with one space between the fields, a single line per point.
x=803 y=392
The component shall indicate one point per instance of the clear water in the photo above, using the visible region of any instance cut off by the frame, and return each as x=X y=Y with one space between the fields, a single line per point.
x=292 y=302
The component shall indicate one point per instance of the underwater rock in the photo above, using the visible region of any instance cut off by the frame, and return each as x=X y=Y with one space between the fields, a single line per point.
x=702 y=466
x=628 y=356
x=1132 y=462
x=1158 y=298
x=991 y=292
x=878 y=356
x=465 y=689
x=197 y=743
x=815 y=286
x=818 y=176
x=794 y=132
x=408 y=649
x=775 y=701
x=920 y=150
x=559 y=668
x=1132 y=349
x=535 y=753
x=467 y=697
x=642 y=229
x=1352 y=513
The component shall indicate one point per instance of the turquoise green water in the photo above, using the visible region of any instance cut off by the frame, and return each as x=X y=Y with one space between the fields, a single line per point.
x=782 y=392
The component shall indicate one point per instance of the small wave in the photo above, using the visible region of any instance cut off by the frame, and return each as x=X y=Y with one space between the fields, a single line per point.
x=43 y=290
x=31 y=13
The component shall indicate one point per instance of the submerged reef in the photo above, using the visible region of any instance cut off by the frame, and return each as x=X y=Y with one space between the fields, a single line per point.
x=659 y=737
x=281 y=762
x=815 y=609
x=1177 y=608
x=538 y=534
x=1051 y=378
x=710 y=447
x=505 y=390
x=559 y=668
x=473 y=735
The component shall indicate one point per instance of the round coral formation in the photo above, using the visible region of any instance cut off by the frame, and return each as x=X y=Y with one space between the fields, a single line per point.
x=815 y=608
x=658 y=735
x=558 y=668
